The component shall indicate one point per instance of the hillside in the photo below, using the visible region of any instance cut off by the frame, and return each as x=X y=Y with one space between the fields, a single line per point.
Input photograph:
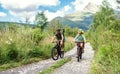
x=77 y=19
x=5 y=24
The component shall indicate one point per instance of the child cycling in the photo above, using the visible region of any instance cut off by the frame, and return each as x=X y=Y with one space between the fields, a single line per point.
x=80 y=40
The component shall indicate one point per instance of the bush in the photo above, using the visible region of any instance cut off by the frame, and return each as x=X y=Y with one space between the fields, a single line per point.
x=37 y=35
x=12 y=52
x=71 y=31
x=35 y=52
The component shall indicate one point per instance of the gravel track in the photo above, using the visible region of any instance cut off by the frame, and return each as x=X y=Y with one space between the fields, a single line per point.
x=72 y=67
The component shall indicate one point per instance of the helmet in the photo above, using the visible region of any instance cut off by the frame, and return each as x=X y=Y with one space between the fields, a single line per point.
x=58 y=29
x=80 y=31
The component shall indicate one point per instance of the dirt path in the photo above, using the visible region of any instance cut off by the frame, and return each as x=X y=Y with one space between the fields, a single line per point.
x=74 y=67
x=33 y=68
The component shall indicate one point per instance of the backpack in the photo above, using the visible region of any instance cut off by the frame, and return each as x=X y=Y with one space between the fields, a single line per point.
x=58 y=36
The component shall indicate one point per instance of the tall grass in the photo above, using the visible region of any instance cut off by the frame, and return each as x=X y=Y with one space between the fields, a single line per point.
x=107 y=53
x=105 y=39
x=23 y=45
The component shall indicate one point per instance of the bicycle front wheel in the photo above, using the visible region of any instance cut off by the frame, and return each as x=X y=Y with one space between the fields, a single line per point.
x=54 y=54
x=62 y=54
x=78 y=53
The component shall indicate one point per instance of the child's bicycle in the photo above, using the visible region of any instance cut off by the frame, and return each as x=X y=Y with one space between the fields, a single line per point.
x=56 y=51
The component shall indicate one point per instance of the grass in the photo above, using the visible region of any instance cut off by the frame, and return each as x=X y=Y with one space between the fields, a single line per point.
x=55 y=66
x=106 y=44
x=104 y=35
x=106 y=60
x=23 y=45
x=13 y=64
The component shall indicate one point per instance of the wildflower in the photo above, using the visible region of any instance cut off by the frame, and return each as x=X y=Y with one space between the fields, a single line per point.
x=7 y=42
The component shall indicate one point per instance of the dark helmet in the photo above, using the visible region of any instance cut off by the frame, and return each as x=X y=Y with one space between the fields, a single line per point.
x=58 y=29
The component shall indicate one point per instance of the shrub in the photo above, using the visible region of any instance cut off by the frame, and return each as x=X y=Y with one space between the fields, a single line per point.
x=35 y=52
x=37 y=35
x=12 y=52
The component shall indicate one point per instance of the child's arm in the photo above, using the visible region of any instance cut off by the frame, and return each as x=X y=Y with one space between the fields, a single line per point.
x=76 y=37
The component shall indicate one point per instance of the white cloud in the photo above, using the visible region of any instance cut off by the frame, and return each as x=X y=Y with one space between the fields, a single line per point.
x=79 y=4
x=15 y=5
x=113 y=4
x=2 y=14
x=98 y=2
x=26 y=8
x=23 y=15
x=67 y=8
x=61 y=12
x=52 y=15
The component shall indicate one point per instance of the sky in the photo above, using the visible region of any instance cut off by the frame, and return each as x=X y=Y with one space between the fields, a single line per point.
x=19 y=10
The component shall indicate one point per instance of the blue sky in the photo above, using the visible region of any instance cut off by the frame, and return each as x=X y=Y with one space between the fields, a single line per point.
x=18 y=10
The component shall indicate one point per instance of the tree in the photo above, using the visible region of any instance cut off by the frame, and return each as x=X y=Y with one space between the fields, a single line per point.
x=104 y=17
x=118 y=1
x=41 y=20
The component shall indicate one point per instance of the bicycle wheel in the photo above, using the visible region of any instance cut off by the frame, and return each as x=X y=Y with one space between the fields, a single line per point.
x=54 y=54
x=62 y=54
x=78 y=57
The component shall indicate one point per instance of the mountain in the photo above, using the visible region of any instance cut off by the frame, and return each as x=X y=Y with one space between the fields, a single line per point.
x=77 y=19
x=80 y=19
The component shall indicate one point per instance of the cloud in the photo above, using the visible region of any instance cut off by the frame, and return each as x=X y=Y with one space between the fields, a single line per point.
x=113 y=3
x=67 y=8
x=2 y=14
x=61 y=12
x=27 y=5
x=26 y=8
x=98 y=2
x=80 y=4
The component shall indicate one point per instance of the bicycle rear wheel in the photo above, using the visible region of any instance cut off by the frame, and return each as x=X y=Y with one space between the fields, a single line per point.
x=54 y=54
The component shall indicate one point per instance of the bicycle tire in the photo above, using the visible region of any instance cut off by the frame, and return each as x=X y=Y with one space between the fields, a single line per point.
x=62 y=54
x=78 y=57
x=54 y=54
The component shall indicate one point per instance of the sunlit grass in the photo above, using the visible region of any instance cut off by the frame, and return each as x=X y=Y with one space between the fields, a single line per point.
x=18 y=45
